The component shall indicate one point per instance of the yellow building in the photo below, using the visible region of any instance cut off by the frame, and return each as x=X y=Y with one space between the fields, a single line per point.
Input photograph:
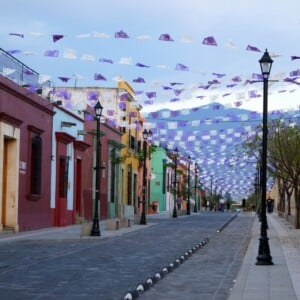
x=130 y=167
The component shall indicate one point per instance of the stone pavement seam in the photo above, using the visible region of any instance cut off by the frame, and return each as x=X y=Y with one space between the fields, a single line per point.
x=142 y=287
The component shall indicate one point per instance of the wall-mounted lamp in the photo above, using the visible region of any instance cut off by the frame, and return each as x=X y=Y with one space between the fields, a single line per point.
x=81 y=132
x=67 y=124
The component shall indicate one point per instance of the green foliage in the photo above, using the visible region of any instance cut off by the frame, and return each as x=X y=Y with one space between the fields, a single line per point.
x=283 y=144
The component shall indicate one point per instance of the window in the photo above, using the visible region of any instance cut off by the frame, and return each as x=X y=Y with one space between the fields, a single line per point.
x=63 y=176
x=132 y=143
x=129 y=185
x=36 y=165
x=113 y=175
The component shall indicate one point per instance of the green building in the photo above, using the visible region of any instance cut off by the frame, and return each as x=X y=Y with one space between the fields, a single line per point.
x=157 y=182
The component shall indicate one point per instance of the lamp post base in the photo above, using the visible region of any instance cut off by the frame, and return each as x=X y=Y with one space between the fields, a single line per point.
x=188 y=210
x=174 y=213
x=95 y=229
x=143 y=219
x=264 y=258
x=195 y=208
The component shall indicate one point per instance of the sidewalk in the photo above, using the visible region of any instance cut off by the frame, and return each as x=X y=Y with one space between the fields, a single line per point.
x=279 y=281
x=74 y=231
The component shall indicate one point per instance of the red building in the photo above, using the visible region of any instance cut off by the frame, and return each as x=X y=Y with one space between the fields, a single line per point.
x=110 y=149
x=68 y=181
x=25 y=158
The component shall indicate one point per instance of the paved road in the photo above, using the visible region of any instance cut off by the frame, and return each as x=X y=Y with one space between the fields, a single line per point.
x=107 y=268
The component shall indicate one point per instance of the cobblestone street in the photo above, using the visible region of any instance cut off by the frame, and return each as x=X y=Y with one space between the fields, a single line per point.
x=107 y=268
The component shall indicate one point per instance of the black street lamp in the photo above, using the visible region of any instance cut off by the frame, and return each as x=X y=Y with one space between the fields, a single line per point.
x=264 y=257
x=96 y=228
x=188 y=205
x=145 y=137
x=211 y=188
x=196 y=179
x=175 y=154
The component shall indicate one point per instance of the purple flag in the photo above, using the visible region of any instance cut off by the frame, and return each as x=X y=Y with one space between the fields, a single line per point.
x=57 y=37
x=236 y=79
x=180 y=67
x=219 y=75
x=51 y=53
x=132 y=114
x=209 y=41
x=17 y=34
x=253 y=94
x=112 y=123
x=88 y=116
x=227 y=94
x=253 y=115
x=215 y=81
x=205 y=87
x=151 y=95
x=295 y=57
x=166 y=87
x=231 y=85
x=12 y=52
x=32 y=88
x=122 y=105
x=124 y=96
x=142 y=65
x=161 y=125
x=295 y=73
x=175 y=113
x=139 y=80
x=121 y=34
x=182 y=123
x=166 y=37
x=252 y=48
x=64 y=79
x=63 y=94
x=92 y=95
x=27 y=72
x=138 y=93
x=154 y=115
x=105 y=60
x=150 y=102
x=257 y=76
x=110 y=112
x=250 y=81
x=98 y=76
x=292 y=80
x=178 y=92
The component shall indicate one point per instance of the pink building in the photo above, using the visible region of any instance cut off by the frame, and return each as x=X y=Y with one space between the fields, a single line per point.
x=25 y=158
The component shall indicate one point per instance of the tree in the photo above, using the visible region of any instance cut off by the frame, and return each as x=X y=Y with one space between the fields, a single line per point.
x=283 y=157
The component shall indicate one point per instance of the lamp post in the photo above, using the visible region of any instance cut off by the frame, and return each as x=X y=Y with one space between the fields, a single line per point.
x=96 y=228
x=196 y=178
x=175 y=154
x=188 y=205
x=143 y=217
x=211 y=189
x=264 y=257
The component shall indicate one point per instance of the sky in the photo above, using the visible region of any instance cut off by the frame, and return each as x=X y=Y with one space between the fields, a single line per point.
x=211 y=55
x=88 y=29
